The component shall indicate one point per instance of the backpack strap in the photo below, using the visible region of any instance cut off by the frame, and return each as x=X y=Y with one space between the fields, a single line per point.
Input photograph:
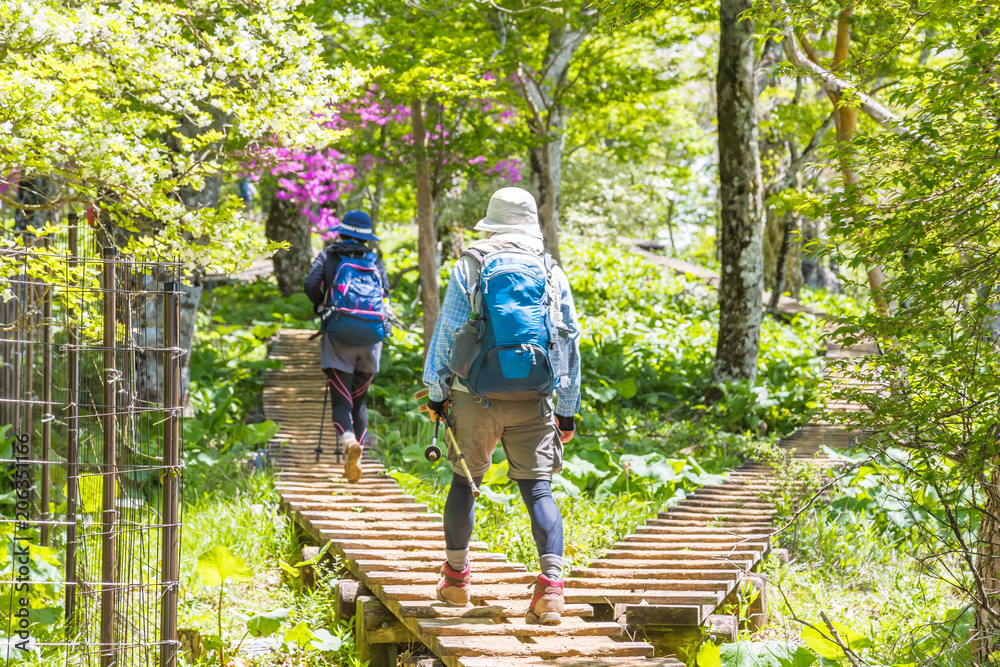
x=330 y=263
x=555 y=294
x=472 y=292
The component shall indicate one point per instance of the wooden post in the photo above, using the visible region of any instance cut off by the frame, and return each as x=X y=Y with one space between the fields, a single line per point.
x=377 y=645
x=757 y=614
x=346 y=598
x=72 y=423
x=170 y=569
x=108 y=463
x=47 y=409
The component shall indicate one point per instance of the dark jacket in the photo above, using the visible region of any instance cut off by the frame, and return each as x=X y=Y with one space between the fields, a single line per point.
x=324 y=268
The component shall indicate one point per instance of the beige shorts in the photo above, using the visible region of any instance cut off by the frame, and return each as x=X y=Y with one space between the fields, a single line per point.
x=526 y=428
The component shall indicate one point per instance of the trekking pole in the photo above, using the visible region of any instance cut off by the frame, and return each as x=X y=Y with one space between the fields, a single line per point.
x=461 y=460
x=322 y=420
x=451 y=439
x=433 y=452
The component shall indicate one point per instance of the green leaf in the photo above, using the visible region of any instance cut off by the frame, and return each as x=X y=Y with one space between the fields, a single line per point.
x=292 y=572
x=300 y=635
x=765 y=654
x=266 y=624
x=212 y=642
x=315 y=559
x=603 y=394
x=497 y=472
x=627 y=388
x=217 y=565
x=709 y=655
x=820 y=640
x=324 y=641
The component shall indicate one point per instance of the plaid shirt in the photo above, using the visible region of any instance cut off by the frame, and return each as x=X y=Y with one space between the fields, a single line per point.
x=456 y=309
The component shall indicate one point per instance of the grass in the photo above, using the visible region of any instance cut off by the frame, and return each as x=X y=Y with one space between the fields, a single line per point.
x=229 y=506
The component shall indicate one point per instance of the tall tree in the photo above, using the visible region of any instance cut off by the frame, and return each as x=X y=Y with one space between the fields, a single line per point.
x=921 y=201
x=286 y=224
x=741 y=213
x=430 y=294
x=544 y=85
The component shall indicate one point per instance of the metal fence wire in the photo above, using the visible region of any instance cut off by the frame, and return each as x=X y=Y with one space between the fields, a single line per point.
x=89 y=451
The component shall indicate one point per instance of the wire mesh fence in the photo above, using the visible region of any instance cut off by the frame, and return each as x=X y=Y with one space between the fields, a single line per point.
x=89 y=451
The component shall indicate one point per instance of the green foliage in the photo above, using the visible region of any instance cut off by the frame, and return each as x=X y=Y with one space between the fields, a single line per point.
x=152 y=98
x=649 y=341
x=217 y=566
x=44 y=565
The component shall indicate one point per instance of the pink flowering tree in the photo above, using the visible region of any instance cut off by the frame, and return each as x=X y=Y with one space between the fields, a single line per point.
x=312 y=190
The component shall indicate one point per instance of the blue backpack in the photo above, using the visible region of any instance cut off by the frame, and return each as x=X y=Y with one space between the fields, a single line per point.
x=355 y=310
x=514 y=340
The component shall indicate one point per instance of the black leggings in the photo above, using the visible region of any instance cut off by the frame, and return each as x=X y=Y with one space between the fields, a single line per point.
x=347 y=398
x=546 y=522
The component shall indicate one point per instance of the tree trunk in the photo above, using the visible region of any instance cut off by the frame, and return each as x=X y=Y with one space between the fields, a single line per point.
x=430 y=296
x=781 y=273
x=546 y=168
x=542 y=91
x=986 y=635
x=741 y=209
x=285 y=222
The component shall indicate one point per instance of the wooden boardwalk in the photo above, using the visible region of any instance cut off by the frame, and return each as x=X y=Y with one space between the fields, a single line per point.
x=666 y=581
x=394 y=547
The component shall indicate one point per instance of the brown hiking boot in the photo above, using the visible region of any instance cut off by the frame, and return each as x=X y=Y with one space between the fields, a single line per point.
x=547 y=604
x=453 y=589
x=352 y=449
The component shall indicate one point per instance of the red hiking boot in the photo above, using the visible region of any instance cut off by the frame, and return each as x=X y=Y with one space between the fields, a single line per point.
x=453 y=589
x=547 y=604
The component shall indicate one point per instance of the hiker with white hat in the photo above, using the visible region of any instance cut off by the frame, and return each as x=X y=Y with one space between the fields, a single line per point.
x=506 y=343
x=349 y=290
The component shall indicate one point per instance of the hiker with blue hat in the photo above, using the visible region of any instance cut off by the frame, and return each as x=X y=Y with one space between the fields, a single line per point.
x=503 y=366
x=349 y=290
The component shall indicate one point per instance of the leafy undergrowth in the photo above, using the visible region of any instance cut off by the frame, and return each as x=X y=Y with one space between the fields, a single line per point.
x=859 y=564
x=239 y=554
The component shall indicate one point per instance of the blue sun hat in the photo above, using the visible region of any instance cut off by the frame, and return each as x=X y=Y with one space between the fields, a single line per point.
x=356 y=225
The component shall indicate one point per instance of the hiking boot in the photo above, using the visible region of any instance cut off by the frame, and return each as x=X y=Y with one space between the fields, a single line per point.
x=453 y=589
x=352 y=450
x=547 y=604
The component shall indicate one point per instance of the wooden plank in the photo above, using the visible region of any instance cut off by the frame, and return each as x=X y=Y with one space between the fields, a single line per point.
x=637 y=615
x=491 y=608
x=478 y=578
x=434 y=566
x=584 y=574
x=478 y=553
x=692 y=564
x=554 y=647
x=518 y=628
x=574 y=595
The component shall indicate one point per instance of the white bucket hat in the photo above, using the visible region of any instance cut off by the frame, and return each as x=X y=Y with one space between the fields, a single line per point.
x=511 y=210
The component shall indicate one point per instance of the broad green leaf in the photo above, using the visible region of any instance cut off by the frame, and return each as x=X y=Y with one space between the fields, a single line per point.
x=266 y=624
x=709 y=655
x=496 y=473
x=820 y=640
x=324 y=641
x=300 y=635
x=765 y=654
x=217 y=565
x=627 y=388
